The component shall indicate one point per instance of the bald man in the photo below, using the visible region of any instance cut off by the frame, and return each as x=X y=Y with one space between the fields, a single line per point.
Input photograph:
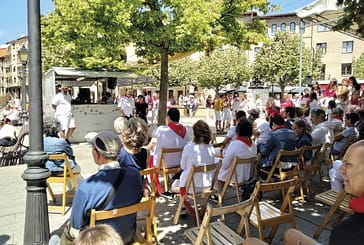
x=350 y=230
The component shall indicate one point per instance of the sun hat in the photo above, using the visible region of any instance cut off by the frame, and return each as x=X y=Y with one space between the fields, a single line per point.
x=107 y=143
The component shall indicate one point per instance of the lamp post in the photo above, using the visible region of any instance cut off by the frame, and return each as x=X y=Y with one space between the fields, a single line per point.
x=36 y=228
x=23 y=57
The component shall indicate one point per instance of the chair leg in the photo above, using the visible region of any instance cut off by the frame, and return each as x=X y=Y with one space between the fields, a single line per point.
x=51 y=193
x=64 y=197
x=178 y=211
x=165 y=176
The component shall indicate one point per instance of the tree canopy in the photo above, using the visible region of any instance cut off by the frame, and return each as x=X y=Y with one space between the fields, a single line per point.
x=353 y=17
x=278 y=61
x=359 y=67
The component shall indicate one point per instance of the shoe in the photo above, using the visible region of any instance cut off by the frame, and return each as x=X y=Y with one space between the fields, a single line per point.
x=214 y=198
x=169 y=195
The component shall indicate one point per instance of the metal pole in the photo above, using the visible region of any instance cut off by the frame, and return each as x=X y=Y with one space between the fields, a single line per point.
x=23 y=94
x=300 y=71
x=36 y=228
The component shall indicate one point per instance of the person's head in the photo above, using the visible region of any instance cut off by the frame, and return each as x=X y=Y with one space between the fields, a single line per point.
x=351 y=118
x=290 y=112
x=332 y=104
x=332 y=83
x=337 y=113
x=317 y=116
x=173 y=115
x=136 y=134
x=105 y=147
x=313 y=96
x=299 y=112
x=299 y=127
x=140 y=97
x=276 y=121
x=254 y=113
x=201 y=132
x=51 y=127
x=64 y=88
x=120 y=124
x=240 y=114
x=354 y=83
x=244 y=128
x=316 y=85
x=352 y=169
x=101 y=234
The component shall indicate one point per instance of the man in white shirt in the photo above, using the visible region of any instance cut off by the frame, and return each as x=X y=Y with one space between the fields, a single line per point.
x=62 y=104
x=321 y=133
x=126 y=105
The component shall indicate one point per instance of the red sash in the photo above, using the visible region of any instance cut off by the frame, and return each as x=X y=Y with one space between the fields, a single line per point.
x=179 y=129
x=245 y=139
x=357 y=204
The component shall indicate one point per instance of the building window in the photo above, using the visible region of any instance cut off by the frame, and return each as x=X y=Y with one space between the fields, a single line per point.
x=302 y=27
x=346 y=69
x=321 y=28
x=322 y=72
x=322 y=47
x=347 y=47
x=274 y=29
x=283 y=27
x=292 y=27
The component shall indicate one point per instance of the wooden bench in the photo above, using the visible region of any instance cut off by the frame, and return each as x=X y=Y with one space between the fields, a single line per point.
x=338 y=202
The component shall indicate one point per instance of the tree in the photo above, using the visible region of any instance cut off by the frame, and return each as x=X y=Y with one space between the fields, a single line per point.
x=353 y=17
x=223 y=67
x=162 y=28
x=359 y=67
x=278 y=61
x=86 y=34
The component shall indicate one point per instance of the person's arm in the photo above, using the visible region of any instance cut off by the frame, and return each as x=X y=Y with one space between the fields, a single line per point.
x=151 y=144
x=184 y=158
x=267 y=147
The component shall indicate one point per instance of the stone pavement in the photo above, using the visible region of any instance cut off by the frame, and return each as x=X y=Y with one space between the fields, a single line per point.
x=13 y=196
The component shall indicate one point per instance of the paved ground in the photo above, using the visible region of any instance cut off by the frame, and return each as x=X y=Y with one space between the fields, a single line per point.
x=13 y=195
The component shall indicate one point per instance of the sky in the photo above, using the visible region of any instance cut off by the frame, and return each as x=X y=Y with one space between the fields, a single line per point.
x=13 y=18
x=13 y=15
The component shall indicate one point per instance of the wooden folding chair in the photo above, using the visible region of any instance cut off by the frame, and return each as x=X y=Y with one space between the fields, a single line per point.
x=282 y=174
x=219 y=233
x=264 y=214
x=13 y=155
x=232 y=178
x=204 y=195
x=151 y=172
x=309 y=171
x=147 y=205
x=62 y=178
x=338 y=202
x=162 y=164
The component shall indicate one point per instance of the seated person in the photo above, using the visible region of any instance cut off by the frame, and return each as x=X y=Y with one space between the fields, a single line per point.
x=199 y=152
x=304 y=138
x=336 y=178
x=242 y=147
x=99 y=235
x=53 y=144
x=280 y=138
x=350 y=230
x=113 y=186
x=7 y=134
x=322 y=132
x=350 y=132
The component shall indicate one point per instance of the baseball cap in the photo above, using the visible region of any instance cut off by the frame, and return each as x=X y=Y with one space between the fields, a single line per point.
x=107 y=143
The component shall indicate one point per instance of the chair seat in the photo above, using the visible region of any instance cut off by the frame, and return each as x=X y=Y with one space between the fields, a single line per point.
x=267 y=211
x=221 y=234
x=329 y=198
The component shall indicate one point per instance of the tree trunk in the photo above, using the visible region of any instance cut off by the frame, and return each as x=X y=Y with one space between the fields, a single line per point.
x=163 y=87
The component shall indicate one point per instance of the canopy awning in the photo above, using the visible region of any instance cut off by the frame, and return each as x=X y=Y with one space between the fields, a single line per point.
x=326 y=12
x=79 y=77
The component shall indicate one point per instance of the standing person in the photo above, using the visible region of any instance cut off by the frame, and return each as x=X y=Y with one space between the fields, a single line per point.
x=62 y=104
x=141 y=108
x=126 y=105
x=209 y=105
x=235 y=106
x=155 y=106
x=122 y=181
x=218 y=104
x=226 y=111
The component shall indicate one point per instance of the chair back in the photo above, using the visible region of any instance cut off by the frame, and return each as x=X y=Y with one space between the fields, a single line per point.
x=162 y=161
x=204 y=169
x=163 y=167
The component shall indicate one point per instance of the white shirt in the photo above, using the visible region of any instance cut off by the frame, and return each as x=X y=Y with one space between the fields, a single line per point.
x=127 y=105
x=236 y=104
x=322 y=134
x=198 y=155
x=241 y=150
x=63 y=104
x=7 y=131
x=264 y=130
x=167 y=138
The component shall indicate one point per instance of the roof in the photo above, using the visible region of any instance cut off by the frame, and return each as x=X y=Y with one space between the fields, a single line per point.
x=325 y=12
x=3 y=51
x=79 y=77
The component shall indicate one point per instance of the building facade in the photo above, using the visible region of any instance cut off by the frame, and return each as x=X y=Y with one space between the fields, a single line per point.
x=11 y=68
x=338 y=49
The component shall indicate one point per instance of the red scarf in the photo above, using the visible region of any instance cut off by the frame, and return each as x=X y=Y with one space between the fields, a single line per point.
x=179 y=129
x=245 y=139
x=357 y=205
x=280 y=126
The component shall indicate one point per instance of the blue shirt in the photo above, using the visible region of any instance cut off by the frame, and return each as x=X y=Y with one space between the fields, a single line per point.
x=92 y=192
x=55 y=145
